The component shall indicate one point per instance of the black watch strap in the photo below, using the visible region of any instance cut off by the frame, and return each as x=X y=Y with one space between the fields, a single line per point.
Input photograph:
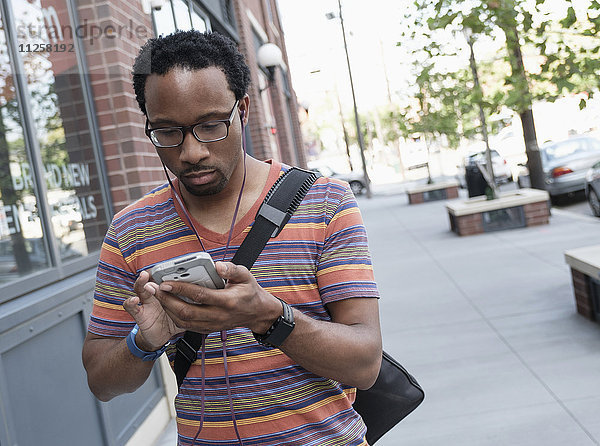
x=280 y=330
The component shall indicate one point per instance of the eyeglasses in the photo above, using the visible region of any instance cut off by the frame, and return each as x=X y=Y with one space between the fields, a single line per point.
x=208 y=131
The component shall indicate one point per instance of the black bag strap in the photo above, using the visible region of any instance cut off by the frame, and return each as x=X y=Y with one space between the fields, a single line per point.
x=278 y=206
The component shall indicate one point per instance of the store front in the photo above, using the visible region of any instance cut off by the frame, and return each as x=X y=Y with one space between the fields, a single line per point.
x=55 y=205
x=72 y=153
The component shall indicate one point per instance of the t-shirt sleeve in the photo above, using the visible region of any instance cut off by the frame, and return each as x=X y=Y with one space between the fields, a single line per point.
x=344 y=269
x=114 y=284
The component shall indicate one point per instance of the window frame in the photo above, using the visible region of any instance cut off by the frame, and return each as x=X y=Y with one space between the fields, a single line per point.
x=192 y=7
x=58 y=268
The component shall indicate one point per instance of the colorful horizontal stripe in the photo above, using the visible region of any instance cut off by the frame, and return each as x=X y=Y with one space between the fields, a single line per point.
x=320 y=257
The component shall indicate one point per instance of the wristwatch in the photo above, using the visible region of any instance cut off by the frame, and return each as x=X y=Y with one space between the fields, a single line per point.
x=280 y=330
x=136 y=351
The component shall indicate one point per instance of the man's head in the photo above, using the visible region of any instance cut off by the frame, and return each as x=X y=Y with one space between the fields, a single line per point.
x=191 y=85
x=192 y=50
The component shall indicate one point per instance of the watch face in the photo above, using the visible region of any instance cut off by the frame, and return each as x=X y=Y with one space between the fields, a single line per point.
x=280 y=329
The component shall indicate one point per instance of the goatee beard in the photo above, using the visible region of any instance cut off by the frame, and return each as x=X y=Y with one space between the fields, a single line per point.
x=203 y=191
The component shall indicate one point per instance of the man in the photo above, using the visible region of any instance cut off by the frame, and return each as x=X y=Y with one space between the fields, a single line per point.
x=192 y=88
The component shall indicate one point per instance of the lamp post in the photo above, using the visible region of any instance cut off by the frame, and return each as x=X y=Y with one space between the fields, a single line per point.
x=361 y=142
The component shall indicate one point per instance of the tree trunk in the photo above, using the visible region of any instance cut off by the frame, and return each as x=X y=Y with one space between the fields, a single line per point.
x=534 y=159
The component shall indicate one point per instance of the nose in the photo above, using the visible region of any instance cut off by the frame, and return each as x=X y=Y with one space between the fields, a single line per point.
x=191 y=150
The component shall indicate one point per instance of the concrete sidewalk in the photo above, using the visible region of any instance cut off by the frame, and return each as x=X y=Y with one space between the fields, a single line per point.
x=488 y=326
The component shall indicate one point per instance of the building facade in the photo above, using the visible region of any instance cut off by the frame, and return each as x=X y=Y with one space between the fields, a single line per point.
x=72 y=153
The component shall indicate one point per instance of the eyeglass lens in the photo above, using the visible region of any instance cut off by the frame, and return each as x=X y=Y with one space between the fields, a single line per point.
x=204 y=132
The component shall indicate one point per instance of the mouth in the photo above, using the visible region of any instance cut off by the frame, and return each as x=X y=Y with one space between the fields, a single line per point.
x=200 y=178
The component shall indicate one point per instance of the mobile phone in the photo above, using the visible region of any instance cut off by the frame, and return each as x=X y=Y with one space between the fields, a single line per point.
x=197 y=268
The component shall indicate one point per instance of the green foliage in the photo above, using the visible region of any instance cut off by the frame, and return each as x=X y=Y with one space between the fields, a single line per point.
x=567 y=50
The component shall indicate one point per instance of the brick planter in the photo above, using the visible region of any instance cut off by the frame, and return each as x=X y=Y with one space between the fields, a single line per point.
x=432 y=192
x=585 y=273
x=516 y=209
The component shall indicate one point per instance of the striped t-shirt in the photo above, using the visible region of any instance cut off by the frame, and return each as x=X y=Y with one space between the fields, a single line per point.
x=321 y=256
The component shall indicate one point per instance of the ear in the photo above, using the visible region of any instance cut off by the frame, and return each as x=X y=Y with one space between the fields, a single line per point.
x=244 y=107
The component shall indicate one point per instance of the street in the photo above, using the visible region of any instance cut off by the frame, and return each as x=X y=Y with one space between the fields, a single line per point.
x=577 y=204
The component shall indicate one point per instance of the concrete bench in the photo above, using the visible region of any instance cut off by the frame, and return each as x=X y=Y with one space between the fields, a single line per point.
x=514 y=209
x=431 y=192
x=585 y=272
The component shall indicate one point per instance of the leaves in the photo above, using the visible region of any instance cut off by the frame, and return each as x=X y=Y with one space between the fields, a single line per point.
x=562 y=52
x=570 y=19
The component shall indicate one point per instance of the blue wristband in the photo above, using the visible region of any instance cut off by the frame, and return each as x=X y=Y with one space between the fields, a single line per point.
x=137 y=352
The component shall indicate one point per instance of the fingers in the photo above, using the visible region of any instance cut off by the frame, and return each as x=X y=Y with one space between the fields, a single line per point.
x=216 y=309
x=198 y=318
x=144 y=294
x=195 y=293
x=132 y=305
x=142 y=286
x=233 y=273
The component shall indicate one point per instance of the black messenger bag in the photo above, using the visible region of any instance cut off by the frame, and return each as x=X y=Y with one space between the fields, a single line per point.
x=395 y=394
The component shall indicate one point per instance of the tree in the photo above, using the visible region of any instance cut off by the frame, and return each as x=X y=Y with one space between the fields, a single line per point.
x=567 y=50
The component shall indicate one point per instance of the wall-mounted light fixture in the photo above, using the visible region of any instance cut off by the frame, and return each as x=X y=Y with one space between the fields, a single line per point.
x=269 y=57
x=149 y=5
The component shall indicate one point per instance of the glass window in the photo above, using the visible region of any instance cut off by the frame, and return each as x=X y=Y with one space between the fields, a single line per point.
x=61 y=129
x=565 y=148
x=163 y=20
x=269 y=10
x=182 y=15
x=22 y=244
x=199 y=22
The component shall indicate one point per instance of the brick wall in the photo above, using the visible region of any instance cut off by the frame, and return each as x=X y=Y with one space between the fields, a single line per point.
x=260 y=139
x=131 y=161
x=419 y=197
x=289 y=138
x=469 y=224
x=292 y=140
x=583 y=294
x=415 y=198
x=452 y=192
x=537 y=213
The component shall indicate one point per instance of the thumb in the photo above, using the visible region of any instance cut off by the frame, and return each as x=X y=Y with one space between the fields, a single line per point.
x=232 y=272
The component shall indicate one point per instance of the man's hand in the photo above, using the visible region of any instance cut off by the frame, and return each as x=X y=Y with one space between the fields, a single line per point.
x=346 y=349
x=156 y=327
x=243 y=303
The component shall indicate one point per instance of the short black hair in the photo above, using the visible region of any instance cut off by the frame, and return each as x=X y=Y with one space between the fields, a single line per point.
x=193 y=50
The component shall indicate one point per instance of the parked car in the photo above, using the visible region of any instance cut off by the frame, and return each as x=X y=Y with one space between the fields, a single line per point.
x=565 y=164
x=502 y=172
x=356 y=180
x=592 y=188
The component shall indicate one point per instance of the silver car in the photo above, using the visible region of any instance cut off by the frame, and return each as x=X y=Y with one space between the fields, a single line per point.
x=565 y=164
x=356 y=180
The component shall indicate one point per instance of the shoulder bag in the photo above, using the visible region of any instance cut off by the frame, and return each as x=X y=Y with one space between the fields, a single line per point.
x=395 y=394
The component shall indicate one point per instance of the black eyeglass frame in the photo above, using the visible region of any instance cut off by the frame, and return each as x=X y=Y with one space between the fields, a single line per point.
x=186 y=128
